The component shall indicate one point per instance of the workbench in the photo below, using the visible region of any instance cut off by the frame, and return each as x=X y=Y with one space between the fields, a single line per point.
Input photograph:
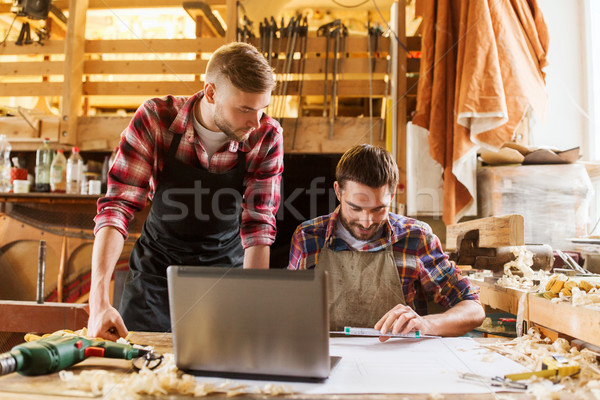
x=49 y=384
x=566 y=320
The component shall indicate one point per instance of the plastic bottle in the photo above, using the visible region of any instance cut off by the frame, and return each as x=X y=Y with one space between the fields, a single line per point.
x=43 y=161
x=74 y=172
x=5 y=148
x=58 y=173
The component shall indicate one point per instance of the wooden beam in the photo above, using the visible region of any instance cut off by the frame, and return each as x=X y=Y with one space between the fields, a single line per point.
x=401 y=105
x=199 y=45
x=33 y=68
x=194 y=67
x=346 y=88
x=354 y=44
x=312 y=134
x=49 y=47
x=231 y=19
x=28 y=316
x=114 y=4
x=73 y=70
x=507 y=230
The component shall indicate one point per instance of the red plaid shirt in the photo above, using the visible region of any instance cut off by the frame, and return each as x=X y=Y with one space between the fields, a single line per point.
x=145 y=142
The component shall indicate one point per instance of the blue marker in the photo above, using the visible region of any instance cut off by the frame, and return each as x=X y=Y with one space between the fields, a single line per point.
x=351 y=331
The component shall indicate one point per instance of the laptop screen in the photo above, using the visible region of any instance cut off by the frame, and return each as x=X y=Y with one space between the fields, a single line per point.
x=258 y=322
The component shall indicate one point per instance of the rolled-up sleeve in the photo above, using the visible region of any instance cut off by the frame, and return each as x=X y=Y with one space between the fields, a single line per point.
x=129 y=176
x=439 y=276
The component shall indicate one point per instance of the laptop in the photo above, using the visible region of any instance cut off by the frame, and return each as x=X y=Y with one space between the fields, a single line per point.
x=259 y=324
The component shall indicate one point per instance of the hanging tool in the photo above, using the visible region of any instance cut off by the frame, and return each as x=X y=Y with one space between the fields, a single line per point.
x=335 y=35
x=324 y=30
x=55 y=353
x=284 y=32
x=261 y=33
x=24 y=35
x=303 y=32
x=281 y=31
x=289 y=57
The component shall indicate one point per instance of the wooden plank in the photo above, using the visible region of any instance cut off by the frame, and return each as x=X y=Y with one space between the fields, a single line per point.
x=401 y=103
x=73 y=70
x=318 y=44
x=101 y=128
x=231 y=19
x=31 y=89
x=28 y=316
x=579 y=322
x=116 y=4
x=507 y=230
x=312 y=134
x=313 y=66
x=498 y=297
x=413 y=43
x=49 y=47
x=354 y=44
x=16 y=128
x=346 y=88
x=35 y=68
x=200 y=45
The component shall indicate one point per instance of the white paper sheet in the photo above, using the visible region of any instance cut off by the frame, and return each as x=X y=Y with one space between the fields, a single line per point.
x=404 y=366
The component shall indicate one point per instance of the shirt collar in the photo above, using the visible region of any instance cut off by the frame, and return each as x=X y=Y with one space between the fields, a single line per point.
x=183 y=124
x=337 y=243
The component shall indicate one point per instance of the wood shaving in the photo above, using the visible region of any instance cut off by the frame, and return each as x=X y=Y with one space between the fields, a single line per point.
x=529 y=350
x=521 y=265
x=165 y=380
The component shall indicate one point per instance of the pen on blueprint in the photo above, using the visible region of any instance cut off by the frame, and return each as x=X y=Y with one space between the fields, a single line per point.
x=352 y=331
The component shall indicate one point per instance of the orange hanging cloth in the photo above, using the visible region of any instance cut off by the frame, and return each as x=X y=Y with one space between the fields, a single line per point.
x=480 y=77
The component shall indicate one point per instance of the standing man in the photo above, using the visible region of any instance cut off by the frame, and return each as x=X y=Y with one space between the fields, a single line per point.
x=204 y=161
x=382 y=267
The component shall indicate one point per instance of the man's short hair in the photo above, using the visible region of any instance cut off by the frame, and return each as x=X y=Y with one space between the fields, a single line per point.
x=242 y=65
x=368 y=165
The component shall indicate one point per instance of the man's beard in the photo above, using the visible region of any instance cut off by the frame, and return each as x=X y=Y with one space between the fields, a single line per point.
x=351 y=226
x=226 y=128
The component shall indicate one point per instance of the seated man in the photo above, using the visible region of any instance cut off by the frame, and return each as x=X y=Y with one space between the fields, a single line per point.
x=382 y=267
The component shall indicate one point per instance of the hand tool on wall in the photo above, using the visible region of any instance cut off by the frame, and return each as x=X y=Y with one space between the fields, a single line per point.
x=293 y=29
x=55 y=353
x=303 y=32
x=325 y=31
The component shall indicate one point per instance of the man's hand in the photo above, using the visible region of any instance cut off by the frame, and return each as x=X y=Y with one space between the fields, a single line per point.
x=107 y=324
x=401 y=319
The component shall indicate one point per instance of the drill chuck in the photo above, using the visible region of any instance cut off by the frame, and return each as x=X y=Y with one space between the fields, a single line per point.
x=8 y=364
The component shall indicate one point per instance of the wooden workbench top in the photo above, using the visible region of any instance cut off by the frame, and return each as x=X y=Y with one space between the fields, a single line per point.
x=49 y=387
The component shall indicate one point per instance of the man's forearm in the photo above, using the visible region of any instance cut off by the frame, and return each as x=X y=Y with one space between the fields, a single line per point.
x=458 y=320
x=257 y=257
x=107 y=249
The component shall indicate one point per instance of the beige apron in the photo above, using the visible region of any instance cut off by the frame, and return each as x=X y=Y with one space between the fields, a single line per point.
x=362 y=286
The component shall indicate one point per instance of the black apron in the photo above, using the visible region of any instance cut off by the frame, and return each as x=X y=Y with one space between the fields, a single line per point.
x=194 y=220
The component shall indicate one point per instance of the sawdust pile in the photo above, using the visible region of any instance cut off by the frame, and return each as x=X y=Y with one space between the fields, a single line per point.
x=162 y=381
x=529 y=350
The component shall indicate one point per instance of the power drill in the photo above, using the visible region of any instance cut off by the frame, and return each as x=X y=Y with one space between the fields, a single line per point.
x=55 y=353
